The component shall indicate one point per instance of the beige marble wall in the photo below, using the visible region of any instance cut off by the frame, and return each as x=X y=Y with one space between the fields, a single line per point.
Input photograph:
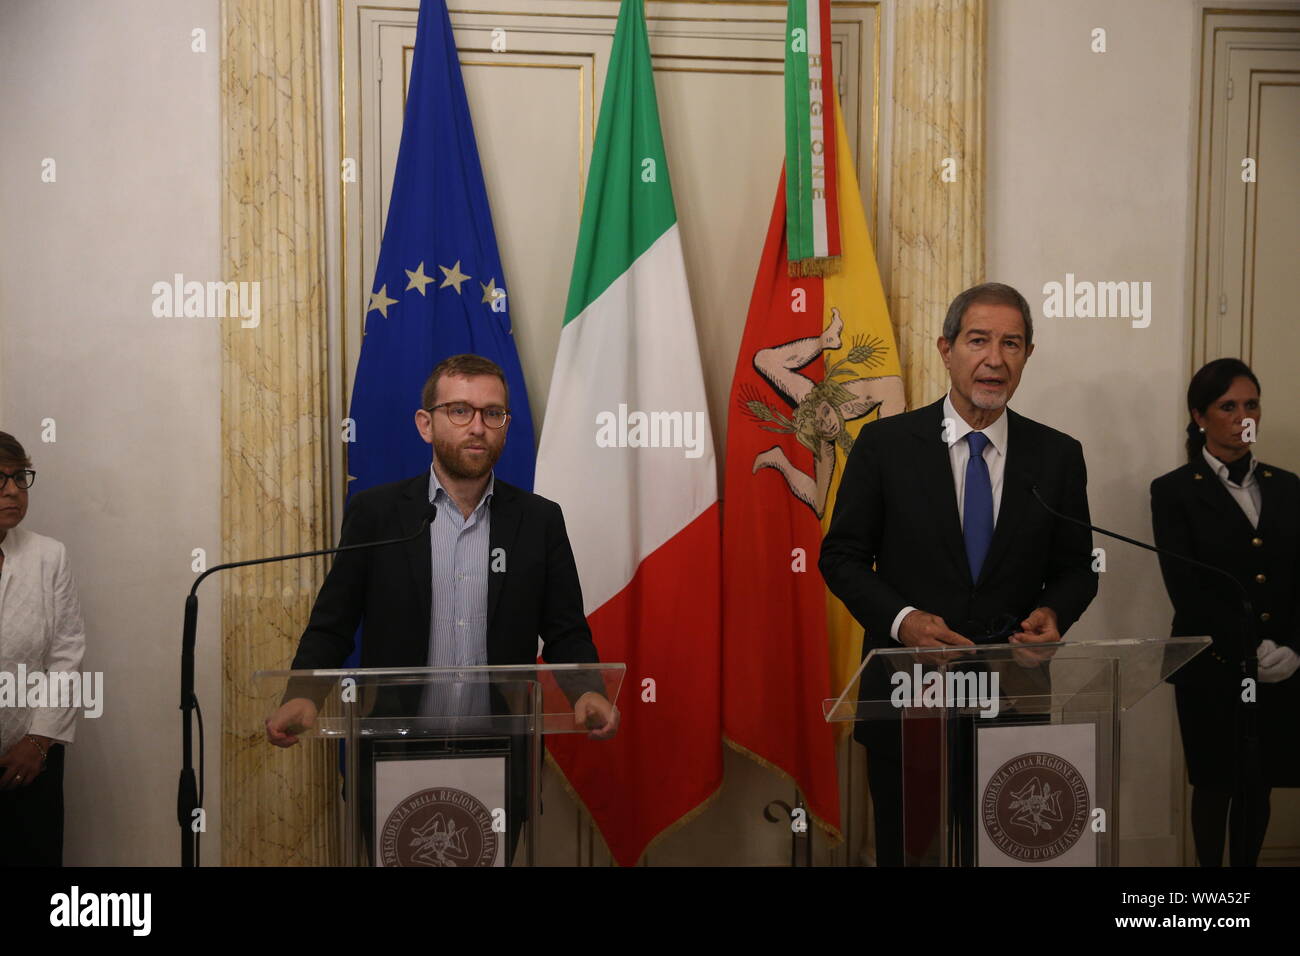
x=936 y=226
x=279 y=806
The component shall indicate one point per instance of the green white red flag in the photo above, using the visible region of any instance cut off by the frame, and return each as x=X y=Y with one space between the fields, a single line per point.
x=627 y=451
x=811 y=155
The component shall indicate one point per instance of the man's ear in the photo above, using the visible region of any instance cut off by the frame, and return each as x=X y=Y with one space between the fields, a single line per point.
x=944 y=347
x=1029 y=351
x=424 y=425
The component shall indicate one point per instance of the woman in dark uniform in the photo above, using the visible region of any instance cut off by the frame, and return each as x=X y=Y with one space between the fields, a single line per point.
x=1229 y=510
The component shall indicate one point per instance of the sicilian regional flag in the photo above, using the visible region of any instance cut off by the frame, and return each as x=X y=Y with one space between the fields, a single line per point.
x=640 y=499
x=817 y=361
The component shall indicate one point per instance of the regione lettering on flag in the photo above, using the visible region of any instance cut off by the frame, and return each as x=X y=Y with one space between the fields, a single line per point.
x=439 y=288
x=642 y=516
x=817 y=362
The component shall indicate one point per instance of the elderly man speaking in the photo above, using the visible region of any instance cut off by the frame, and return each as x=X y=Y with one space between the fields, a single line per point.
x=936 y=540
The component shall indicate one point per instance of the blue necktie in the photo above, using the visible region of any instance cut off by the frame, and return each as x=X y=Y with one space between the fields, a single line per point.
x=977 y=507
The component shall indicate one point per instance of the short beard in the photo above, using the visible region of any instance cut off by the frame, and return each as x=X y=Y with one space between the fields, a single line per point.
x=989 y=405
x=449 y=457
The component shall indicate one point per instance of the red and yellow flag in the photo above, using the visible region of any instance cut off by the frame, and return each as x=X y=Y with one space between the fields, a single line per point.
x=817 y=361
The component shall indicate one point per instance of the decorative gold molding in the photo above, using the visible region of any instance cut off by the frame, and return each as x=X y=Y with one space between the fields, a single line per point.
x=937 y=227
x=279 y=807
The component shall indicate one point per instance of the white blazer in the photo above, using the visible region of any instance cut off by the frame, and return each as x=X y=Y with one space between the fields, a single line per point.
x=40 y=627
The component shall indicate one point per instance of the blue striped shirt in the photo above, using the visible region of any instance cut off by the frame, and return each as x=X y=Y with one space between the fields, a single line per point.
x=458 y=618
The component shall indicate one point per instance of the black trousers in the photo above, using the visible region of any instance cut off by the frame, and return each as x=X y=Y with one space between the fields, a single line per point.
x=31 y=818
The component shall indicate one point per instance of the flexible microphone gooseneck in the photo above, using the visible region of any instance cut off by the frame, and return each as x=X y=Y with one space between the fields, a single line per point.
x=1245 y=595
x=1249 y=763
x=189 y=791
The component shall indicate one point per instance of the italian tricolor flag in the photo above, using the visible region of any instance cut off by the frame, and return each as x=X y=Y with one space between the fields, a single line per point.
x=627 y=451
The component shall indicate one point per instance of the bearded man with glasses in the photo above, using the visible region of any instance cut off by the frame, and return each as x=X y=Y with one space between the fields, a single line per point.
x=496 y=573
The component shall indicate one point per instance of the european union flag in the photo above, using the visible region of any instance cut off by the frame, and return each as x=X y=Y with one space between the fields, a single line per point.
x=439 y=288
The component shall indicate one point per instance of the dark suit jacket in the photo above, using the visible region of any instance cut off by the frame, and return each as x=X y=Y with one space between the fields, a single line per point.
x=897 y=510
x=390 y=588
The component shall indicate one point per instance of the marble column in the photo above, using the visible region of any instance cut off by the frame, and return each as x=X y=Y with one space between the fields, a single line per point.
x=279 y=807
x=937 y=198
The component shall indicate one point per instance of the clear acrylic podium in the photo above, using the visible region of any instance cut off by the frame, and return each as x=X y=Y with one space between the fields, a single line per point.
x=1009 y=753
x=439 y=766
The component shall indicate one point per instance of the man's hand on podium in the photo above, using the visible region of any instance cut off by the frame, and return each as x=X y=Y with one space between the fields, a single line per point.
x=293 y=717
x=1039 y=628
x=597 y=714
x=922 y=629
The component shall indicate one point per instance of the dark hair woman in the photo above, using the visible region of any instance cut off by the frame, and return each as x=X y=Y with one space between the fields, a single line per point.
x=40 y=634
x=1232 y=511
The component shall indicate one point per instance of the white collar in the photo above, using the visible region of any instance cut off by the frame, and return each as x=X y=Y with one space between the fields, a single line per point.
x=1220 y=469
x=14 y=542
x=996 y=432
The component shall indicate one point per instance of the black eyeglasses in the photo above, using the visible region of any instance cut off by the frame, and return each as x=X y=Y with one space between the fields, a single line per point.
x=23 y=479
x=995 y=631
x=462 y=413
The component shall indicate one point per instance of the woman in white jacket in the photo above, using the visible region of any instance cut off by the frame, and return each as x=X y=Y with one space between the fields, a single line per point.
x=41 y=633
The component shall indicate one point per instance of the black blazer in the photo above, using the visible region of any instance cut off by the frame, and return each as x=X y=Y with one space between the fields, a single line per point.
x=1193 y=514
x=390 y=588
x=897 y=511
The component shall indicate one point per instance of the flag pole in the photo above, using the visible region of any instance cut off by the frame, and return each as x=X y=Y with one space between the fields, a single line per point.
x=801 y=840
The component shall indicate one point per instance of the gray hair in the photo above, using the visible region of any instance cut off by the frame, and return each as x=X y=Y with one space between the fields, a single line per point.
x=986 y=293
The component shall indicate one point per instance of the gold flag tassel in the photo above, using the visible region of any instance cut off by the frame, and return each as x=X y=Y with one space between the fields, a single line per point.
x=820 y=267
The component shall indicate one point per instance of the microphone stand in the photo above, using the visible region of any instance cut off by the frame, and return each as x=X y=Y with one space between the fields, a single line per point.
x=1249 y=756
x=188 y=789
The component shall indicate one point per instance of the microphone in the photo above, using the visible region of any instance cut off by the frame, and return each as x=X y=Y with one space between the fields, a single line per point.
x=1249 y=757
x=1246 y=605
x=189 y=790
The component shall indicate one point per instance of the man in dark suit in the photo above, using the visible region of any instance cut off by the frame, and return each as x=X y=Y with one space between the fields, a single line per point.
x=936 y=539
x=497 y=558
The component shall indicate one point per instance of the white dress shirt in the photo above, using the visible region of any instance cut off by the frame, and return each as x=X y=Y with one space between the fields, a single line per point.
x=40 y=627
x=1245 y=494
x=995 y=457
